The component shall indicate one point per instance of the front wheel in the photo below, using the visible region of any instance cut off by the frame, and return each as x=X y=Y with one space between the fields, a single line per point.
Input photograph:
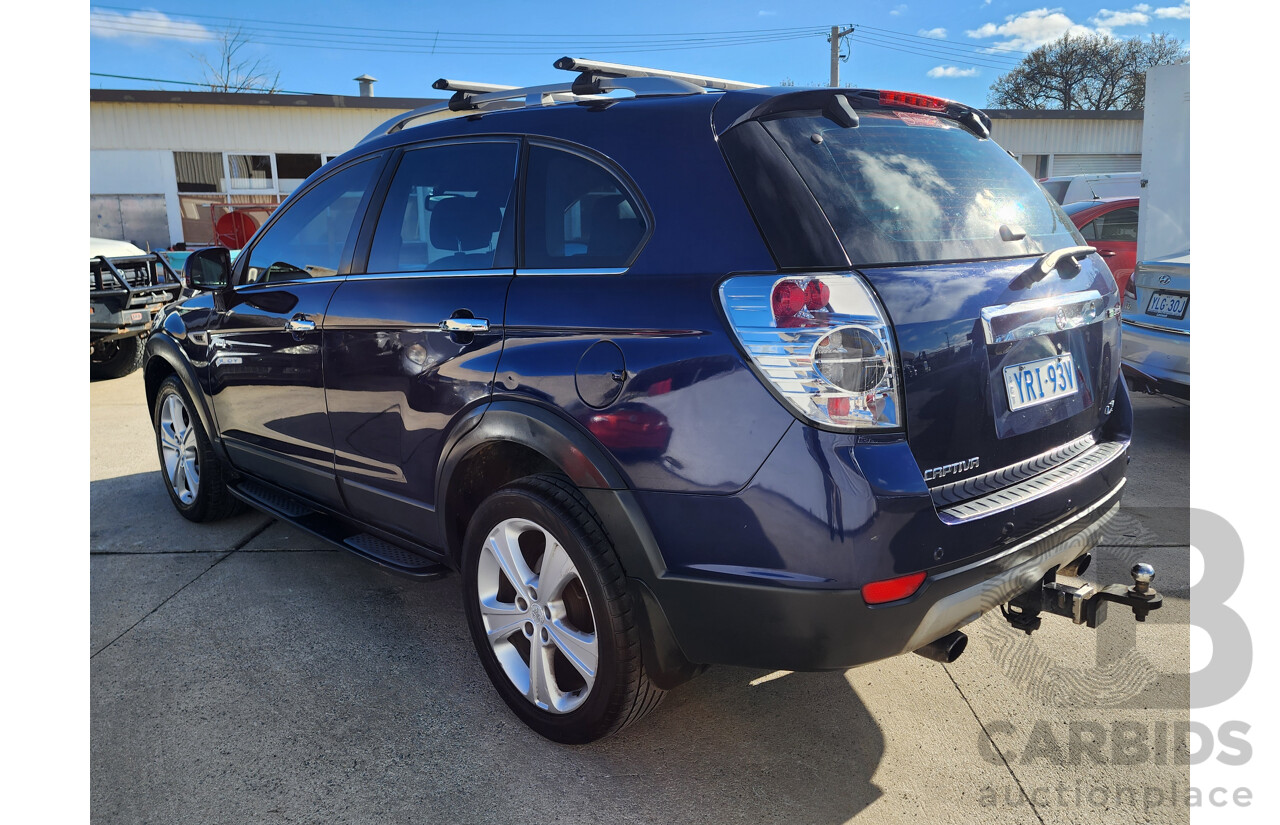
x=550 y=615
x=116 y=359
x=194 y=476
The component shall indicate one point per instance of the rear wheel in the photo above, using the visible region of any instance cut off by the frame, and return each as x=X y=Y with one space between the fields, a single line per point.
x=116 y=359
x=193 y=474
x=550 y=615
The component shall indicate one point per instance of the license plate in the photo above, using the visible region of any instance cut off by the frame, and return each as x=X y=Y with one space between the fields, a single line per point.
x=1040 y=382
x=1167 y=305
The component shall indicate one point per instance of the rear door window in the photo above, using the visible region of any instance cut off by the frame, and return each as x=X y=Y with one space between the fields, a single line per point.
x=578 y=214
x=914 y=188
x=446 y=208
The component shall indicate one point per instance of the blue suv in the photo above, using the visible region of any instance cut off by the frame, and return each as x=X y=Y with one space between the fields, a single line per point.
x=672 y=371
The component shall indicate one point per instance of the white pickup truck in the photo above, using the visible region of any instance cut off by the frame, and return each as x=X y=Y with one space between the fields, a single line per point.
x=1156 y=353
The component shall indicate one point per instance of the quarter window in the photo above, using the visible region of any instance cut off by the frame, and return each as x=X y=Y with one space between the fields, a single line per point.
x=308 y=239
x=445 y=209
x=578 y=214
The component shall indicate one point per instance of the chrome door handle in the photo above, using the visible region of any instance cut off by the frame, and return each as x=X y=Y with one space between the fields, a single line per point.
x=465 y=325
x=300 y=323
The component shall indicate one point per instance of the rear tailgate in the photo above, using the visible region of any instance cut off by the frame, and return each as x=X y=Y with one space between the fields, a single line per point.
x=970 y=342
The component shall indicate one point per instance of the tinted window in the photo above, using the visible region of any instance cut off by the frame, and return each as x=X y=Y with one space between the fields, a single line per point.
x=1057 y=189
x=912 y=188
x=308 y=239
x=1090 y=230
x=577 y=214
x=1120 y=225
x=445 y=208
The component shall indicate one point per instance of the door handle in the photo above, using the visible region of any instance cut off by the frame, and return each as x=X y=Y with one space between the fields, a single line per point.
x=1107 y=253
x=465 y=325
x=300 y=323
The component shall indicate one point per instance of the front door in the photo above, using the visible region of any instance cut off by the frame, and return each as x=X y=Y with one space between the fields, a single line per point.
x=265 y=367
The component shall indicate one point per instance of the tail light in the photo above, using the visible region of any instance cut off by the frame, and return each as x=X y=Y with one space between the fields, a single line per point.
x=1129 y=303
x=822 y=342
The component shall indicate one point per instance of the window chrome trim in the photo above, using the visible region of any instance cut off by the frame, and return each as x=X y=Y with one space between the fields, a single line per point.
x=431 y=273
x=1042 y=316
x=564 y=270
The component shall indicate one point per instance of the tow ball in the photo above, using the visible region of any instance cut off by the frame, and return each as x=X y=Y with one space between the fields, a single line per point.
x=1063 y=593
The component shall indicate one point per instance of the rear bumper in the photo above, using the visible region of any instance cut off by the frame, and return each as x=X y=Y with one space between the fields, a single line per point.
x=754 y=625
x=1157 y=358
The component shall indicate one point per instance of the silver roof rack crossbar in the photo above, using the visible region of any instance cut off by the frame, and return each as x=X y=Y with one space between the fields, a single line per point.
x=595 y=81
x=593 y=69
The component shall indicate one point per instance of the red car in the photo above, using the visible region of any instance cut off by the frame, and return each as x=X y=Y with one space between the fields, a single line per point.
x=1112 y=227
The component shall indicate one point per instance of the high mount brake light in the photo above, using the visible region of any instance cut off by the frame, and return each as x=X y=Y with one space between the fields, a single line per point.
x=909 y=99
x=822 y=342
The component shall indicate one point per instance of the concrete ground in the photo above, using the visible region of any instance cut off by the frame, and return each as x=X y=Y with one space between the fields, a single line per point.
x=245 y=672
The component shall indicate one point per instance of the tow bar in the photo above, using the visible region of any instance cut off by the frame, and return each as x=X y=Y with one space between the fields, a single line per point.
x=1063 y=593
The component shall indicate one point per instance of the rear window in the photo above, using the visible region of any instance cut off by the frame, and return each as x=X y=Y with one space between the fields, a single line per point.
x=912 y=188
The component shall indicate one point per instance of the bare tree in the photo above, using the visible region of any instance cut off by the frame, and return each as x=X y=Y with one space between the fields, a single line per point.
x=1095 y=72
x=237 y=72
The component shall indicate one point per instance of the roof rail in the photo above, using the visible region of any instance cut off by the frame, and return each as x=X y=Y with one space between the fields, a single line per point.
x=595 y=81
x=593 y=70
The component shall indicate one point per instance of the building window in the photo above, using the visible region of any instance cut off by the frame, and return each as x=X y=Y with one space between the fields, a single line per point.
x=250 y=172
x=198 y=171
x=293 y=169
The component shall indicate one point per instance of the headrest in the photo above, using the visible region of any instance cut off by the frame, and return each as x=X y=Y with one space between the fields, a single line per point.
x=460 y=224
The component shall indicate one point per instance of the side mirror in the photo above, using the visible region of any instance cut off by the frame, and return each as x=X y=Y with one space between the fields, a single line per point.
x=207 y=269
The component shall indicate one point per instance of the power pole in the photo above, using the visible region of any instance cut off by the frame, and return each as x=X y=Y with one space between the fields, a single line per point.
x=836 y=34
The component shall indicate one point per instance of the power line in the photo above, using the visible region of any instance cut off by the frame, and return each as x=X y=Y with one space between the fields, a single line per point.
x=390 y=45
x=235 y=22
x=939 y=48
x=987 y=49
x=185 y=82
x=878 y=45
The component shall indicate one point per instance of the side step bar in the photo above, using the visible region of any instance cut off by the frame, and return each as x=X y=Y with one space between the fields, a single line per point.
x=409 y=560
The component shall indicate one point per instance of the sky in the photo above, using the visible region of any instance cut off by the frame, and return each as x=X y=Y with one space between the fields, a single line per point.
x=951 y=49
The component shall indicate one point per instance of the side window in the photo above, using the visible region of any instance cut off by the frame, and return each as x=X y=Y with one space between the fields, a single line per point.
x=577 y=214
x=308 y=240
x=1120 y=225
x=445 y=209
x=1090 y=230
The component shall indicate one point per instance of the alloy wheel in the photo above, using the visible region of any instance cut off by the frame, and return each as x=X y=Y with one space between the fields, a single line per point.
x=537 y=616
x=178 y=447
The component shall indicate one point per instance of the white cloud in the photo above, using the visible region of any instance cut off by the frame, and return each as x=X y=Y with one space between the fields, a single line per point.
x=144 y=25
x=897 y=10
x=1182 y=12
x=937 y=34
x=766 y=14
x=1109 y=19
x=1030 y=29
x=952 y=71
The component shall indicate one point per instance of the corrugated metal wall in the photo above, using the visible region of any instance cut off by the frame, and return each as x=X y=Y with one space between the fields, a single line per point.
x=203 y=128
x=1074 y=136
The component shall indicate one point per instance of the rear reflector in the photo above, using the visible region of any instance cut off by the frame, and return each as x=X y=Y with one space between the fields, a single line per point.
x=909 y=99
x=890 y=590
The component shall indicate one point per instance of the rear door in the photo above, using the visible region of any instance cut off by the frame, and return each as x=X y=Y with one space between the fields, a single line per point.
x=412 y=338
x=1114 y=234
x=265 y=370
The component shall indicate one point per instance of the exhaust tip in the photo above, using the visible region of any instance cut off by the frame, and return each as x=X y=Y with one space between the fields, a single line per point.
x=946 y=649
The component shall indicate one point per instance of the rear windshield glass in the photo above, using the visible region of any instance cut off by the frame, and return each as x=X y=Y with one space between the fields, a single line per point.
x=912 y=188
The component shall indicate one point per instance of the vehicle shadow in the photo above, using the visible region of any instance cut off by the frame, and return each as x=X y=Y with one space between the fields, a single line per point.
x=316 y=687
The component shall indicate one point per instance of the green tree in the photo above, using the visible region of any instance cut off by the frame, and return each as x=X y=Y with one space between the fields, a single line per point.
x=1093 y=72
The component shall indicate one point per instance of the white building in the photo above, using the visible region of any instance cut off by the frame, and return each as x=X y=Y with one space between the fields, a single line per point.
x=1053 y=142
x=165 y=166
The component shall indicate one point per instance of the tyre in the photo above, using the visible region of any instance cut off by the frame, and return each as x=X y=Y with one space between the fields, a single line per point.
x=550 y=615
x=116 y=359
x=193 y=474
